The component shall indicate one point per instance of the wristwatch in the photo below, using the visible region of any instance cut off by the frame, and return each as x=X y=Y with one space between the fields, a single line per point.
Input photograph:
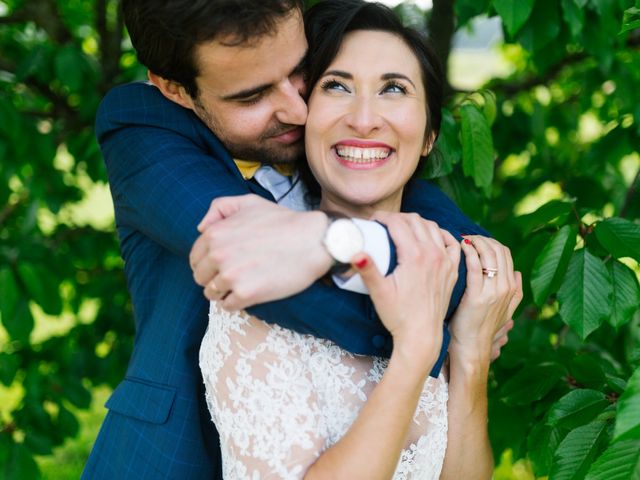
x=342 y=239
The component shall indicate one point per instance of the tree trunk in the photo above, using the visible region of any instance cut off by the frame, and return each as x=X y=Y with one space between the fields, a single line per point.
x=441 y=27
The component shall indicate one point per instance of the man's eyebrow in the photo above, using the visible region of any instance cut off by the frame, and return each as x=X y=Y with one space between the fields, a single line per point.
x=394 y=75
x=250 y=92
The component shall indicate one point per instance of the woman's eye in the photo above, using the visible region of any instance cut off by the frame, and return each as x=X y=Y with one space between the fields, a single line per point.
x=333 y=85
x=394 y=88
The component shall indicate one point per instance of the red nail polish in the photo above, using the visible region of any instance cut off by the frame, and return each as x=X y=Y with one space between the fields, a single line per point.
x=467 y=241
x=362 y=263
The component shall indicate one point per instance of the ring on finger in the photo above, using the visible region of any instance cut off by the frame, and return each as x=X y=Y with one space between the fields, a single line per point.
x=489 y=272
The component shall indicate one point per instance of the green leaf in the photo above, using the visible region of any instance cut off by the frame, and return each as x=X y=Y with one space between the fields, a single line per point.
x=465 y=10
x=552 y=263
x=587 y=370
x=542 y=441
x=477 y=145
x=41 y=287
x=628 y=416
x=76 y=393
x=38 y=443
x=10 y=294
x=20 y=325
x=621 y=461
x=69 y=66
x=19 y=464
x=620 y=237
x=576 y=408
x=543 y=216
x=573 y=14
x=67 y=422
x=631 y=19
x=489 y=107
x=616 y=384
x=514 y=13
x=626 y=293
x=542 y=27
x=8 y=368
x=585 y=294
x=531 y=383
x=576 y=452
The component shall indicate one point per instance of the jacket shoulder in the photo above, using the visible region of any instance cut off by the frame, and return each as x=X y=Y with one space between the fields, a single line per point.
x=142 y=104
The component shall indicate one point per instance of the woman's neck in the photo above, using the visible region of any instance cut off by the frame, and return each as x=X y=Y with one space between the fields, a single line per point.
x=327 y=203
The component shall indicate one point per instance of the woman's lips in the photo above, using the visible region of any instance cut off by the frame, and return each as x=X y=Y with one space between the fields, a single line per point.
x=360 y=154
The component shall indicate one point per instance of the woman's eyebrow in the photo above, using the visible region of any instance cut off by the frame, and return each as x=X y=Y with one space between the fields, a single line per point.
x=385 y=76
x=394 y=75
x=339 y=73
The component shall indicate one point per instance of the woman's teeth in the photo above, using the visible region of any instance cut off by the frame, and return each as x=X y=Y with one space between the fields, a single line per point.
x=358 y=154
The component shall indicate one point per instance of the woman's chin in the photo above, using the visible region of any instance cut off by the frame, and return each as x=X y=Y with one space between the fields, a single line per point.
x=368 y=202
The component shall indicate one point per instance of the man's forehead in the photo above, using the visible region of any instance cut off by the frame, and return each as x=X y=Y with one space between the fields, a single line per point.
x=227 y=67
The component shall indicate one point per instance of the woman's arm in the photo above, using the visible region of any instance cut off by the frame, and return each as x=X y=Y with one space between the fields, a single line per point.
x=486 y=306
x=412 y=303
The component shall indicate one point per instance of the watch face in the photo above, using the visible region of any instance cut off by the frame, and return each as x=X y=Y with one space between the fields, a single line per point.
x=343 y=240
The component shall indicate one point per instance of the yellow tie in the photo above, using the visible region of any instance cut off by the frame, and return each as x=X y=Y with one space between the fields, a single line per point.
x=248 y=168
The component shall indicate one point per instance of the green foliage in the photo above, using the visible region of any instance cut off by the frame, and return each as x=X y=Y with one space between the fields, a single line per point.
x=546 y=159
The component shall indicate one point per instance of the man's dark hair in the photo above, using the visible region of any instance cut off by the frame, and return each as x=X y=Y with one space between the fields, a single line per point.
x=326 y=25
x=166 y=32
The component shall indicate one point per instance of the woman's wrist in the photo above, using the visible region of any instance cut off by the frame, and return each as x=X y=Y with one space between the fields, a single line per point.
x=417 y=353
x=470 y=361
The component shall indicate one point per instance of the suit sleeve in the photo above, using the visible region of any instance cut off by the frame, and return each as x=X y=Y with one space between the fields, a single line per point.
x=165 y=168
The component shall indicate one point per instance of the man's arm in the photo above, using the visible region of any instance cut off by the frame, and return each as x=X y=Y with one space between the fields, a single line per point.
x=165 y=167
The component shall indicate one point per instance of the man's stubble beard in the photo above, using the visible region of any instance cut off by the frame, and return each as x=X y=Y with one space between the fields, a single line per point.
x=264 y=149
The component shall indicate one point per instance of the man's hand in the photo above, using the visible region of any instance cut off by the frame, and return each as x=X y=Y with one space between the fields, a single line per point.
x=252 y=251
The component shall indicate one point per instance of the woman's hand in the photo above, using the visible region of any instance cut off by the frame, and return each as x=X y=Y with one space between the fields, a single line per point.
x=412 y=302
x=493 y=292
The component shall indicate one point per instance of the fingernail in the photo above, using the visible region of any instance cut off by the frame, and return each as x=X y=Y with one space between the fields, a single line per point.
x=467 y=241
x=360 y=264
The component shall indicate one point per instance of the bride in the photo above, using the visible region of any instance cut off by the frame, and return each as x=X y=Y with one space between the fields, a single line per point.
x=292 y=406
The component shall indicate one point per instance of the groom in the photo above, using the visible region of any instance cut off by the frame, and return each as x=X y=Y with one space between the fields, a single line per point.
x=227 y=85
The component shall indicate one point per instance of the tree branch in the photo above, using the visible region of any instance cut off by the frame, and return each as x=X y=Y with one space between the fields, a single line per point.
x=511 y=88
x=110 y=44
x=45 y=15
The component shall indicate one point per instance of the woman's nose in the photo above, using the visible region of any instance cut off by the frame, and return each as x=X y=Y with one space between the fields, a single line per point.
x=364 y=117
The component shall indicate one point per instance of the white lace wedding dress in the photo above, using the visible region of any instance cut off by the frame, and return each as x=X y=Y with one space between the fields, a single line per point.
x=279 y=398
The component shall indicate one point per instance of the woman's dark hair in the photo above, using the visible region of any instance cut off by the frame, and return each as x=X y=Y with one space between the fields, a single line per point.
x=165 y=33
x=326 y=25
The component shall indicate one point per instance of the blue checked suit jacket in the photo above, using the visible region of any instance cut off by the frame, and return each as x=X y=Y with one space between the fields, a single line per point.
x=165 y=166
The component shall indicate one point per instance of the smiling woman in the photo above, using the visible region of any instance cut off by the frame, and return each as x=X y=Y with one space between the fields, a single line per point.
x=367 y=124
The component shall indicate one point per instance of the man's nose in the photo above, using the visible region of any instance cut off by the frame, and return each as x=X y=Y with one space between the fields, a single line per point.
x=363 y=117
x=292 y=108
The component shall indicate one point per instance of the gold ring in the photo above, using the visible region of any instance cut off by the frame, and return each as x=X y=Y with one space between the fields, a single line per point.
x=490 y=272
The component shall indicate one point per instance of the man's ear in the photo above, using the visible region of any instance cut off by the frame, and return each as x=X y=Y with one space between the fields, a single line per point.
x=172 y=90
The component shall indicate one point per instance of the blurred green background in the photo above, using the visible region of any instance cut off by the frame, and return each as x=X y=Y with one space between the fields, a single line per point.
x=539 y=144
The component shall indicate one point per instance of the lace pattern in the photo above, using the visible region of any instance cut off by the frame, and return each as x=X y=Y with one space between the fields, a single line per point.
x=279 y=398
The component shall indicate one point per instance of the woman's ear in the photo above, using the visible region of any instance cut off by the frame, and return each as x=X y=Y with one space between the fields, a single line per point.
x=171 y=90
x=429 y=140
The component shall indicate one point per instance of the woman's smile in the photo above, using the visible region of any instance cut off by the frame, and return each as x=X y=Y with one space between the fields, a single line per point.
x=361 y=154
